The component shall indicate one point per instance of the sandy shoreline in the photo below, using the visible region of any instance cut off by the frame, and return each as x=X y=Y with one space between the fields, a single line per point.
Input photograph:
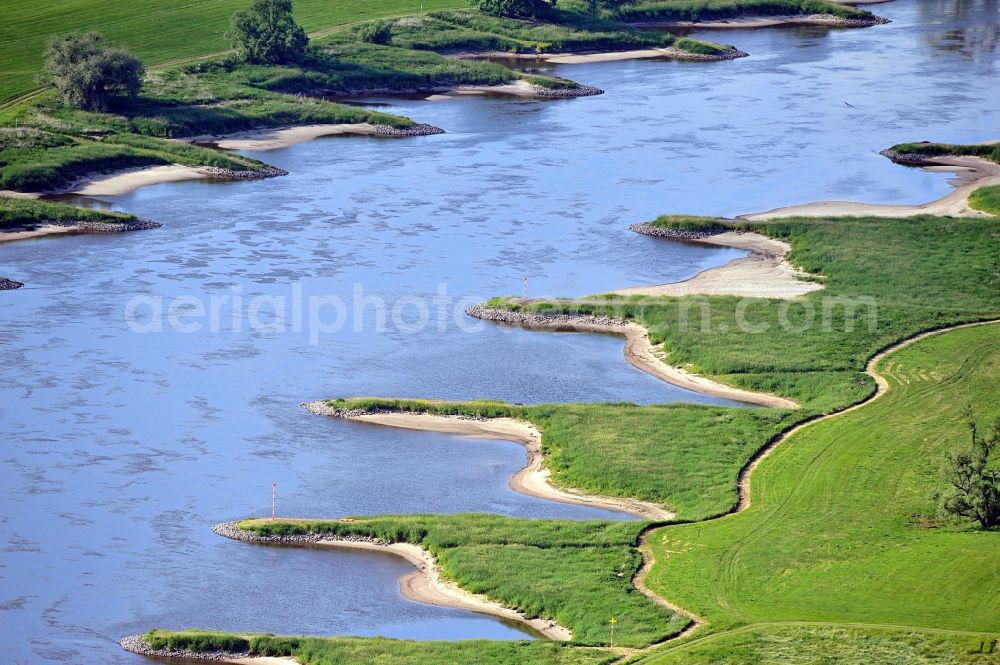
x=971 y=173
x=639 y=352
x=767 y=22
x=272 y=138
x=36 y=232
x=532 y=480
x=126 y=181
x=426 y=584
x=573 y=58
x=765 y=273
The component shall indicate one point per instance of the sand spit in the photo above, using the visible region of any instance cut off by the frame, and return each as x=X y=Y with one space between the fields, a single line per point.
x=123 y=182
x=769 y=21
x=639 y=351
x=533 y=479
x=283 y=137
x=765 y=273
x=520 y=88
x=426 y=584
x=59 y=228
x=580 y=57
x=971 y=173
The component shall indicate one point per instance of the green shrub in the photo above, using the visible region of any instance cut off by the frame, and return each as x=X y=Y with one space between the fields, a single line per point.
x=375 y=32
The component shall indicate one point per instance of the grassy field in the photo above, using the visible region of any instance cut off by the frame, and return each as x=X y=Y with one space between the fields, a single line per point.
x=804 y=644
x=577 y=573
x=342 y=650
x=21 y=212
x=160 y=32
x=844 y=527
x=986 y=199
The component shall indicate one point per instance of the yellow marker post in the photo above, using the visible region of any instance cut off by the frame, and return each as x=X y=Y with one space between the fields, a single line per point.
x=613 y=622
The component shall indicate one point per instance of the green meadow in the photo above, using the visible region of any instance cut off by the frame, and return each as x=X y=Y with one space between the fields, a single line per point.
x=843 y=527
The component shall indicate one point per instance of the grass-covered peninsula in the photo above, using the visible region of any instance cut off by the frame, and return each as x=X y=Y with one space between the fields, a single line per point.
x=337 y=650
x=28 y=212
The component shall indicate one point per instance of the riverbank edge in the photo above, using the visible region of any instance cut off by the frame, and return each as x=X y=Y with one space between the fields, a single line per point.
x=586 y=56
x=54 y=227
x=639 y=351
x=427 y=584
x=764 y=273
x=971 y=173
x=744 y=22
x=283 y=136
x=534 y=479
x=138 y=645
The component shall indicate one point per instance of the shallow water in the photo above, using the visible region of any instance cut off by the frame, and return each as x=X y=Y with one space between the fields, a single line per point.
x=123 y=448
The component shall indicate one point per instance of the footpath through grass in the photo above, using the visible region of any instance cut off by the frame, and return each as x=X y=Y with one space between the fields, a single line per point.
x=843 y=526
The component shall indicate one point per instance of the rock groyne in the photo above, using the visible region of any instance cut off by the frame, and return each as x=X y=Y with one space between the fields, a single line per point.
x=675 y=233
x=137 y=644
x=9 y=284
x=233 y=531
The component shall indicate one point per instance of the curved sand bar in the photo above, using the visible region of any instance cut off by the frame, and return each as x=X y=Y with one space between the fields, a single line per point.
x=765 y=273
x=125 y=181
x=426 y=584
x=971 y=173
x=533 y=479
x=282 y=137
x=639 y=352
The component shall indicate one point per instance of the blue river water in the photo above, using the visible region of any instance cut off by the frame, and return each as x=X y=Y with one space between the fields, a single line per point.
x=127 y=435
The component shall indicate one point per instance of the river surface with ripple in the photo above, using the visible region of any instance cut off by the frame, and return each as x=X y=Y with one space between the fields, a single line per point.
x=122 y=448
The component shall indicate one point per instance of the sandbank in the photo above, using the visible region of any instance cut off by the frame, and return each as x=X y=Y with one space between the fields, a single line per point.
x=25 y=233
x=765 y=273
x=125 y=181
x=971 y=173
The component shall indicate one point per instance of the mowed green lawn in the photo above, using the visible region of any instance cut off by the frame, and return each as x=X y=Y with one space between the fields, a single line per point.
x=159 y=31
x=842 y=525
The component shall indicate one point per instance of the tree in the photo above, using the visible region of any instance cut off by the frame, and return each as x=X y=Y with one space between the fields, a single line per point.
x=514 y=8
x=268 y=34
x=90 y=75
x=975 y=487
